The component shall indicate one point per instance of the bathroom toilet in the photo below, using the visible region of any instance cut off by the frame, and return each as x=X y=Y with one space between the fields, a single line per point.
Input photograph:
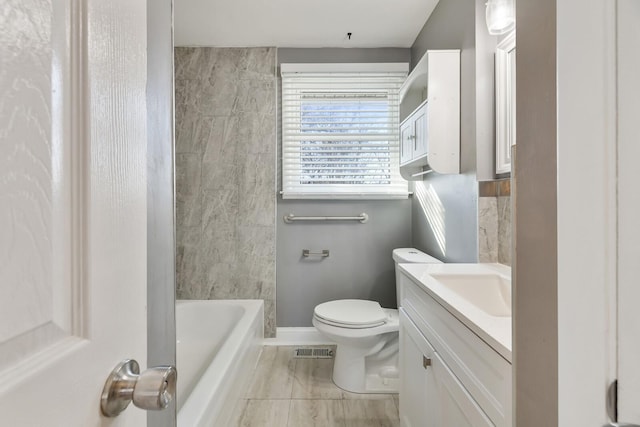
x=366 y=336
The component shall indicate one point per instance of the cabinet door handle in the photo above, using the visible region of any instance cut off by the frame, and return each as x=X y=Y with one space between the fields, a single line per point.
x=426 y=362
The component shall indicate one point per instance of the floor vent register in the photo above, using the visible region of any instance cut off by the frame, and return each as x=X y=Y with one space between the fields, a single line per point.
x=313 y=353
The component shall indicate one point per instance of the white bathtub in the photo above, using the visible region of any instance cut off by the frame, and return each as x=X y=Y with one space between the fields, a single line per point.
x=218 y=345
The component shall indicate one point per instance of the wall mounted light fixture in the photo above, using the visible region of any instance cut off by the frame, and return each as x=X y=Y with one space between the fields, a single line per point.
x=501 y=16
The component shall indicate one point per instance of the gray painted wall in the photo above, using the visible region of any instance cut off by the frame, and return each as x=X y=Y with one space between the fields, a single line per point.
x=451 y=26
x=161 y=335
x=360 y=264
x=535 y=293
x=337 y=55
x=225 y=175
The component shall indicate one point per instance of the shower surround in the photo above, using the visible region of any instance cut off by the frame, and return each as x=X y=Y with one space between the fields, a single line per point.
x=226 y=175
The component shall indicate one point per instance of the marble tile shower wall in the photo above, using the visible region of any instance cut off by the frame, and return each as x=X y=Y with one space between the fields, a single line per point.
x=494 y=229
x=225 y=174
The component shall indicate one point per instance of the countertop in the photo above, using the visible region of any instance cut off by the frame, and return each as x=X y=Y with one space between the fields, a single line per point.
x=494 y=330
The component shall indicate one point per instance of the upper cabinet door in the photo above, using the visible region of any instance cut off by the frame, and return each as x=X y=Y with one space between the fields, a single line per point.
x=406 y=141
x=72 y=206
x=421 y=132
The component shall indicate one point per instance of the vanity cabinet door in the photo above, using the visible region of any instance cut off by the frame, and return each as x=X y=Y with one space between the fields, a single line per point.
x=457 y=407
x=418 y=390
x=430 y=394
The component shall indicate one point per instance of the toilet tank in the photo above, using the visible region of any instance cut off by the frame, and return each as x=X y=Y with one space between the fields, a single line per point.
x=409 y=256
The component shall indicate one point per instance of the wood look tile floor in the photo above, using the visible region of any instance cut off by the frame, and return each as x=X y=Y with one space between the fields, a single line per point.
x=290 y=392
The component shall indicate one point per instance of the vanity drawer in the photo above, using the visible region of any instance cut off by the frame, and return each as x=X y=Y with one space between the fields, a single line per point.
x=482 y=371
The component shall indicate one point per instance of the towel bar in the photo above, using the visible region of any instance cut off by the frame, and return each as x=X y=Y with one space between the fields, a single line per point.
x=363 y=218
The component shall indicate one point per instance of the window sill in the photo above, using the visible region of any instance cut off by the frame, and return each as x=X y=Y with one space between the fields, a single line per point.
x=320 y=196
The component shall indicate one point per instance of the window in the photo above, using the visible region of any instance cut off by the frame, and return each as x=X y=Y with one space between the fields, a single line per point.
x=340 y=131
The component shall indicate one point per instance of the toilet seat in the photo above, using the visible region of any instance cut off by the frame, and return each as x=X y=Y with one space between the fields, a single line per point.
x=392 y=324
x=351 y=313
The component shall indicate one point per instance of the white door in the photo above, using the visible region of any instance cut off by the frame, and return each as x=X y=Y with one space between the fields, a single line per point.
x=72 y=206
x=598 y=210
x=628 y=211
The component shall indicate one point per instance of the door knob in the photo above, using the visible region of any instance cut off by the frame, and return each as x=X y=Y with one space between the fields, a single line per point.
x=152 y=390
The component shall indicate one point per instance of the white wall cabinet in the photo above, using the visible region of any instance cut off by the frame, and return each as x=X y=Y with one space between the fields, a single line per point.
x=430 y=114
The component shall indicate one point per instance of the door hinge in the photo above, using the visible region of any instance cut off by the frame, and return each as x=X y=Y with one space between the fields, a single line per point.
x=612 y=401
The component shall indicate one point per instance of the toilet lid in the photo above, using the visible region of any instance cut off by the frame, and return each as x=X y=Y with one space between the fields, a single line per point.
x=352 y=313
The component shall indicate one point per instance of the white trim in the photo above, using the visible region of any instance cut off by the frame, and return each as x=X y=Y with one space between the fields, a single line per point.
x=628 y=109
x=298 y=336
x=347 y=196
x=383 y=67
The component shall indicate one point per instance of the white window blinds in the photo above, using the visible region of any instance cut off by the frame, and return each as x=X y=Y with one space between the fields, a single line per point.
x=340 y=131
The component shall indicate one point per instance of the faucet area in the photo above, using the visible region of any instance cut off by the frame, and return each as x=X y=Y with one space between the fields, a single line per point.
x=359 y=196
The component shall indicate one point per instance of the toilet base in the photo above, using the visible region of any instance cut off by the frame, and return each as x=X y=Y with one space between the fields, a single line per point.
x=373 y=384
x=373 y=370
x=366 y=359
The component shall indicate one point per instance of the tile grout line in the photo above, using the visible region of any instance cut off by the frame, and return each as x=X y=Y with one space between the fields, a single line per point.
x=289 y=413
x=293 y=381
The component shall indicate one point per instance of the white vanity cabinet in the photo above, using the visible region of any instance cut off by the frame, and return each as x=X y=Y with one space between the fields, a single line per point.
x=449 y=376
x=430 y=395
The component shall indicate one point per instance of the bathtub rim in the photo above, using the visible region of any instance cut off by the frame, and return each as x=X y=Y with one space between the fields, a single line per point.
x=214 y=396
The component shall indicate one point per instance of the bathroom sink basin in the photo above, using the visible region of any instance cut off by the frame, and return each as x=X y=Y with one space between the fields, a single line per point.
x=478 y=295
x=490 y=293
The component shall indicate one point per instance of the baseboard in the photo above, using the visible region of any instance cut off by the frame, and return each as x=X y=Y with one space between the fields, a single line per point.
x=298 y=336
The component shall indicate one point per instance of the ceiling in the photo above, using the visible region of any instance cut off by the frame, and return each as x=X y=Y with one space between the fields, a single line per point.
x=300 y=23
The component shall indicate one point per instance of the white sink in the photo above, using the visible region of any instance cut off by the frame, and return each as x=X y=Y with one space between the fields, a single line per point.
x=479 y=295
x=490 y=293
